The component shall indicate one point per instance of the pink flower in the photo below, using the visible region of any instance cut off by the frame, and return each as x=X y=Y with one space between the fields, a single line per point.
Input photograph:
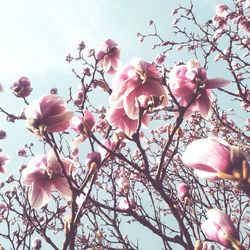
x=3 y=209
x=4 y=159
x=47 y=114
x=117 y=117
x=125 y=204
x=123 y=184
x=219 y=228
x=160 y=59
x=21 y=88
x=108 y=56
x=93 y=160
x=221 y=10
x=108 y=144
x=135 y=82
x=36 y=244
x=184 y=81
x=212 y=155
x=43 y=175
x=84 y=124
x=183 y=191
x=22 y=152
x=2 y=134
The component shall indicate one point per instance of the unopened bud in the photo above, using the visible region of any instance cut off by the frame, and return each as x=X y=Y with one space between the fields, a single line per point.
x=198 y=245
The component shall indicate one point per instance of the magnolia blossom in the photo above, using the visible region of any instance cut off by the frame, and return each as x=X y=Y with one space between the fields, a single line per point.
x=4 y=159
x=43 y=175
x=3 y=209
x=21 y=88
x=183 y=191
x=186 y=79
x=2 y=134
x=108 y=56
x=93 y=160
x=221 y=10
x=159 y=59
x=36 y=244
x=220 y=228
x=126 y=204
x=83 y=124
x=212 y=155
x=47 y=114
x=123 y=184
x=110 y=144
x=137 y=85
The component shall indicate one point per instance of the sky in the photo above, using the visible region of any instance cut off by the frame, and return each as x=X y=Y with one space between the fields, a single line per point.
x=35 y=37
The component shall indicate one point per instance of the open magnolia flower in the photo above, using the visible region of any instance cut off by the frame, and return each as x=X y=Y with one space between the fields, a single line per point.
x=43 y=175
x=186 y=79
x=137 y=85
x=220 y=228
x=211 y=157
x=47 y=114
x=108 y=56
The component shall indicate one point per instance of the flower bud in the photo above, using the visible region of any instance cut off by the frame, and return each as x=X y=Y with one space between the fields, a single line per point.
x=21 y=88
x=36 y=244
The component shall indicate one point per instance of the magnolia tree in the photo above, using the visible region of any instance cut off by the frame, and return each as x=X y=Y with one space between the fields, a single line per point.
x=164 y=156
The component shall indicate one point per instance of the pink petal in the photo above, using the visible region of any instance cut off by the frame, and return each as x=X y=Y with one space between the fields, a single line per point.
x=207 y=155
x=118 y=118
x=150 y=88
x=39 y=194
x=216 y=83
x=61 y=185
x=33 y=110
x=51 y=105
x=52 y=161
x=204 y=103
x=59 y=122
x=31 y=175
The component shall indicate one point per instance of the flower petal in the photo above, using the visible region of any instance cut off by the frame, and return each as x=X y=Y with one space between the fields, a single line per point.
x=61 y=185
x=39 y=193
x=216 y=83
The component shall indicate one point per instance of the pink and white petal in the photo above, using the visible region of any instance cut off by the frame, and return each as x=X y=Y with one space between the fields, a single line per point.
x=2 y=169
x=52 y=161
x=31 y=175
x=118 y=118
x=39 y=161
x=196 y=155
x=69 y=165
x=216 y=83
x=178 y=72
x=61 y=185
x=59 y=122
x=212 y=176
x=51 y=105
x=224 y=221
x=33 y=110
x=89 y=118
x=39 y=194
x=204 y=104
